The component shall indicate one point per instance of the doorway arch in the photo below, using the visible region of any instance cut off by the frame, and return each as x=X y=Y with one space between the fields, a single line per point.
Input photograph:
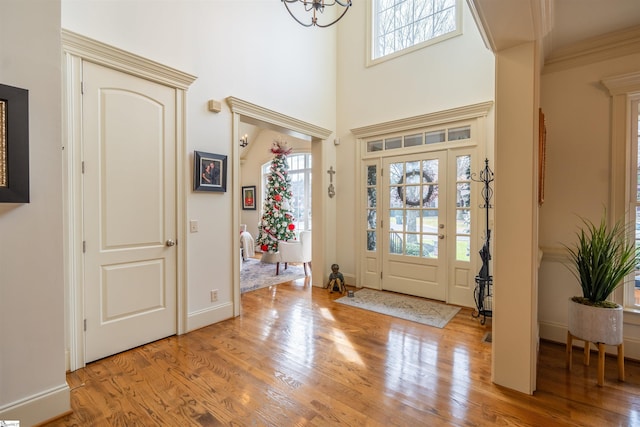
x=246 y=112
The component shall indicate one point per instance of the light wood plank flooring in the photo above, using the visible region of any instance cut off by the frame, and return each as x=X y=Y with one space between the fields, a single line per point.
x=296 y=358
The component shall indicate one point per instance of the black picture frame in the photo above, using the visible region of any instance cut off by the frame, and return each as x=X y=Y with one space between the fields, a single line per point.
x=209 y=172
x=249 y=198
x=14 y=145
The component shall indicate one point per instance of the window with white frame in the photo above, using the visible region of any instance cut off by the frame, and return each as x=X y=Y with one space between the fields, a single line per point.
x=299 y=172
x=399 y=26
x=625 y=140
x=634 y=210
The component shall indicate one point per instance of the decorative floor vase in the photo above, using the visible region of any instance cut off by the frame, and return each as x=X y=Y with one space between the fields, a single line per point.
x=595 y=324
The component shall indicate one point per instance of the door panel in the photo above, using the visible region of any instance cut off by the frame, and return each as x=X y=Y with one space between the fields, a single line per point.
x=414 y=210
x=129 y=202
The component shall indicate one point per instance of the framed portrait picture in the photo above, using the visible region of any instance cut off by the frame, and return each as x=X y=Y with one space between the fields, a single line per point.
x=209 y=172
x=249 y=197
x=14 y=144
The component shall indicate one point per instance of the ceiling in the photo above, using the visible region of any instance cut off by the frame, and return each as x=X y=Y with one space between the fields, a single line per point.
x=559 y=23
x=577 y=20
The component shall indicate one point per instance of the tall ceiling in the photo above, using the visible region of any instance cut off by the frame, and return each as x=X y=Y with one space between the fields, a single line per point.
x=558 y=23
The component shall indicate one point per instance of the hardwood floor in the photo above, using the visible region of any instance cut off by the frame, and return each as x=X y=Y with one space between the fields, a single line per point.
x=296 y=358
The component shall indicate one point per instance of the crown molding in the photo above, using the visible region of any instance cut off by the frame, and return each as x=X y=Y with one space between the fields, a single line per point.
x=104 y=54
x=607 y=46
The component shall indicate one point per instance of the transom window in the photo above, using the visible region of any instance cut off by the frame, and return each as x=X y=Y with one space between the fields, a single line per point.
x=400 y=25
x=423 y=138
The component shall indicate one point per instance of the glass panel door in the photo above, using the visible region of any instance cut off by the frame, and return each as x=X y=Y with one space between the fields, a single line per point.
x=414 y=226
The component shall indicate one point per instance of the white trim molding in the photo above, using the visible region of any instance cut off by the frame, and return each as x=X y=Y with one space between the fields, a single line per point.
x=623 y=84
x=323 y=211
x=104 y=54
x=265 y=115
x=623 y=89
x=34 y=409
x=77 y=48
x=446 y=116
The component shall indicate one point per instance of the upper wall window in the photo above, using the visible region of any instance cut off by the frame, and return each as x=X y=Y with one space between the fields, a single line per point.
x=400 y=26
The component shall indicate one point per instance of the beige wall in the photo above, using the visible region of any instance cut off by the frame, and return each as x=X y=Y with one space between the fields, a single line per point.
x=32 y=304
x=578 y=179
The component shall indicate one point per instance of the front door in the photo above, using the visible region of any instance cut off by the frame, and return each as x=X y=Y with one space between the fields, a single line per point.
x=427 y=209
x=129 y=208
x=414 y=246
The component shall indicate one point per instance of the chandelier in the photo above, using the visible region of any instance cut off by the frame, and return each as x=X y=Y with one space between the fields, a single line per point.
x=317 y=7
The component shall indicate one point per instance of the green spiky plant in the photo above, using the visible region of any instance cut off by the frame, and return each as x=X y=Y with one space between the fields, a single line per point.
x=602 y=257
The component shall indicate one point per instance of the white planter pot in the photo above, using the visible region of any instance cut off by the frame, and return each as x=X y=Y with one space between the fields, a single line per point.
x=595 y=324
x=270 y=258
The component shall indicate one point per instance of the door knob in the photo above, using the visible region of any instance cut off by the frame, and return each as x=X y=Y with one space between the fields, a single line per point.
x=440 y=236
x=170 y=243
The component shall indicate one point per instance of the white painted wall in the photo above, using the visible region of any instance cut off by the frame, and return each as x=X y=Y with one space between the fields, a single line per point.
x=32 y=336
x=578 y=170
x=250 y=49
x=457 y=72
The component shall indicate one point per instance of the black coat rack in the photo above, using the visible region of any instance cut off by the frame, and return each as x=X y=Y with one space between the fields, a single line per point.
x=483 y=293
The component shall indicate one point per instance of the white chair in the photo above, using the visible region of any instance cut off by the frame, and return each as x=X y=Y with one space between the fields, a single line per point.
x=295 y=251
x=247 y=249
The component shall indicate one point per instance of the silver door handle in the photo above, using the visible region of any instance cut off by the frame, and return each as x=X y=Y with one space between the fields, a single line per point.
x=170 y=243
x=440 y=236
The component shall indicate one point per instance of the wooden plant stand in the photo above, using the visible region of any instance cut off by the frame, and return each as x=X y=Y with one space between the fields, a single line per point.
x=601 y=356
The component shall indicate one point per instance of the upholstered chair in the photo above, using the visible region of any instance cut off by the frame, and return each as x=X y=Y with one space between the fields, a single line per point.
x=247 y=249
x=295 y=251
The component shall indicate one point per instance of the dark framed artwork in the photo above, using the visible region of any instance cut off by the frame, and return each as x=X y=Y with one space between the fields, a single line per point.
x=14 y=145
x=249 y=197
x=209 y=172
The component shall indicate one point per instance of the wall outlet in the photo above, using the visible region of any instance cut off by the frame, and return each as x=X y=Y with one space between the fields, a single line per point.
x=214 y=295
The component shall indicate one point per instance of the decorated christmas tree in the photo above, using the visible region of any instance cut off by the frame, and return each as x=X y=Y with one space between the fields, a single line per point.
x=276 y=223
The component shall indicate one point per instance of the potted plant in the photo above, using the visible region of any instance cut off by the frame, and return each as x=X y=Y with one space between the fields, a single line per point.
x=602 y=257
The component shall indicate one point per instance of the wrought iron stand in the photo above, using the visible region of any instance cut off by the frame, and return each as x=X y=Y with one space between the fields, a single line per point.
x=483 y=294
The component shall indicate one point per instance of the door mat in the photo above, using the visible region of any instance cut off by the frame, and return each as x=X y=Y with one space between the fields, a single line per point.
x=402 y=306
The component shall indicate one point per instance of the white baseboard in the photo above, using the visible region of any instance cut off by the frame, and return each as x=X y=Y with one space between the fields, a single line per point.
x=350 y=279
x=209 y=316
x=40 y=407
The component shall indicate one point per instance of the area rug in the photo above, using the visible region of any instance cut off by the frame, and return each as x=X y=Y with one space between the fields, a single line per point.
x=255 y=274
x=405 y=307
